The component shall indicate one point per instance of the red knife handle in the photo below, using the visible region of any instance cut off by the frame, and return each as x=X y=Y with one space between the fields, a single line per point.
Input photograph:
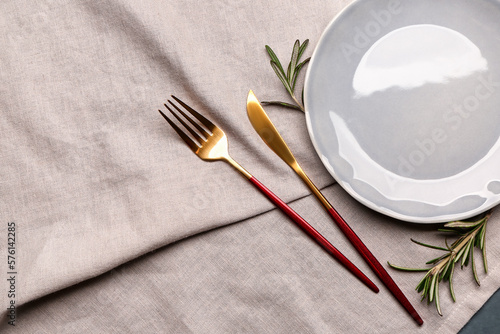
x=375 y=265
x=307 y=228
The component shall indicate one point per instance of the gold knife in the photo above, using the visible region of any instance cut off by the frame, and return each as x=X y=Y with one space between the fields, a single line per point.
x=268 y=132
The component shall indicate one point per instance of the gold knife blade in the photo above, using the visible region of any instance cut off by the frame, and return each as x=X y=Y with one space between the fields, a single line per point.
x=266 y=129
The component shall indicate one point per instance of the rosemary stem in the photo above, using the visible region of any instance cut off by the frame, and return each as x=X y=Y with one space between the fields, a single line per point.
x=298 y=103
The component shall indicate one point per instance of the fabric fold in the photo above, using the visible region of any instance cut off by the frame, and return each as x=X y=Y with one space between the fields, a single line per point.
x=264 y=275
x=91 y=174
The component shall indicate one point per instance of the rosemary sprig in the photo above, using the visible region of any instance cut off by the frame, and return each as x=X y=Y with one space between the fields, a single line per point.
x=289 y=78
x=471 y=234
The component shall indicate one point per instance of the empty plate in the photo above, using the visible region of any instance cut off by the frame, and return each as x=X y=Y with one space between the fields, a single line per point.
x=403 y=106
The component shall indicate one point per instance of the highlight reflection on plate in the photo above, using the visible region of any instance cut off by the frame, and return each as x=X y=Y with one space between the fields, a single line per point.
x=413 y=56
x=403 y=106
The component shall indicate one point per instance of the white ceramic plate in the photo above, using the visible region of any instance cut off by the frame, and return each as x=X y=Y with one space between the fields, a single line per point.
x=403 y=106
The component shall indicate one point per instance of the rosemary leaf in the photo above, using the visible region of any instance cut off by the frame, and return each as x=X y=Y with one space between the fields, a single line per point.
x=482 y=234
x=445 y=273
x=423 y=282
x=406 y=269
x=462 y=224
x=275 y=59
x=295 y=77
x=459 y=254
x=450 y=231
x=466 y=252
x=429 y=246
x=474 y=271
x=452 y=291
x=432 y=287
x=425 y=289
x=293 y=61
x=279 y=103
x=281 y=76
x=436 y=297
x=485 y=262
x=302 y=48
x=471 y=234
x=289 y=79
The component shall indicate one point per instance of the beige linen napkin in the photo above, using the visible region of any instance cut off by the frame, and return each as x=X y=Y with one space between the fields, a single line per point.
x=262 y=275
x=93 y=177
x=91 y=174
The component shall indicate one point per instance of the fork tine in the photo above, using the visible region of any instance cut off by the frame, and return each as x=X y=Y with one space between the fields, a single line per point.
x=190 y=119
x=191 y=131
x=210 y=126
x=194 y=147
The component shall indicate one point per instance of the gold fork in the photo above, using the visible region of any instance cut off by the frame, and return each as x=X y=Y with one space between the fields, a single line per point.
x=210 y=144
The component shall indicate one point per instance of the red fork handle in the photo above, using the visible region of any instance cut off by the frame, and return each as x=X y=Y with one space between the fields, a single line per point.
x=307 y=228
x=374 y=264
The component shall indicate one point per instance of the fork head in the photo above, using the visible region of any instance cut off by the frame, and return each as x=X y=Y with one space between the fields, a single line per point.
x=204 y=138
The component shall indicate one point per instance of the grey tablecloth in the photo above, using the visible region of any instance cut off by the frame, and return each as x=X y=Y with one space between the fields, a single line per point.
x=121 y=229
